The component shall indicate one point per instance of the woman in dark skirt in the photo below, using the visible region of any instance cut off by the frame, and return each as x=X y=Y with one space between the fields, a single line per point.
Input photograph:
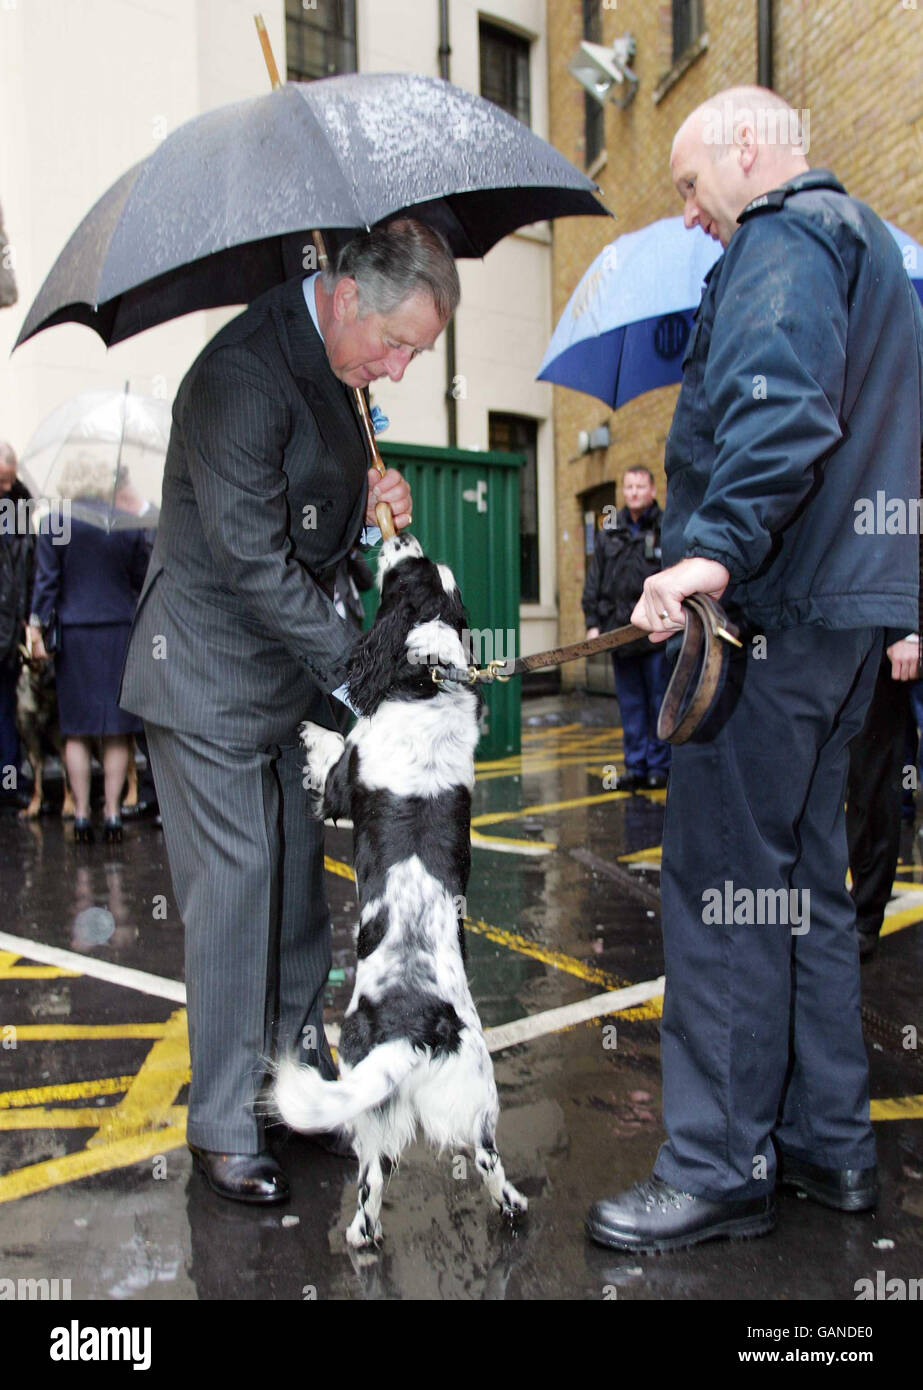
x=88 y=588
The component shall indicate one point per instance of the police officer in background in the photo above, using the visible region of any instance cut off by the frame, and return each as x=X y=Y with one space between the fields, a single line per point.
x=625 y=551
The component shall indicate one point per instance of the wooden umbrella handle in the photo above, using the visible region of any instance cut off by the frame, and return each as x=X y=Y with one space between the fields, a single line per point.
x=383 y=514
x=274 y=77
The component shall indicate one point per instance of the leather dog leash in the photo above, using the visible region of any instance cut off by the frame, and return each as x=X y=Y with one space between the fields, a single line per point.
x=693 y=684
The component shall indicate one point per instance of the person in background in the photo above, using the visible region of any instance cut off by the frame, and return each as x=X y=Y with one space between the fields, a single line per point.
x=87 y=591
x=16 y=559
x=873 y=791
x=624 y=554
x=876 y=789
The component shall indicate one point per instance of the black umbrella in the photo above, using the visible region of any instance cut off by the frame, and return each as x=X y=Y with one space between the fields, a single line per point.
x=224 y=207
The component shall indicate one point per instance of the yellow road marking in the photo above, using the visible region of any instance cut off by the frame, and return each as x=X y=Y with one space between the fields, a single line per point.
x=36 y=972
x=901 y=1108
x=585 y=759
x=9 y=970
x=38 y=1177
x=538 y=735
x=74 y=1032
x=336 y=866
x=527 y=846
x=897 y=921
x=68 y=1090
x=145 y=1122
x=86 y=1117
x=546 y=808
x=569 y=964
x=592 y=974
x=152 y=1092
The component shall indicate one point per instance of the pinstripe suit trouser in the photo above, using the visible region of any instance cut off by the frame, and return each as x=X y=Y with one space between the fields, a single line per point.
x=247 y=863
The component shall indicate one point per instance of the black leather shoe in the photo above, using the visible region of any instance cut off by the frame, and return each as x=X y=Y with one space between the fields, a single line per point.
x=655 y=1216
x=83 y=832
x=112 y=830
x=629 y=782
x=844 y=1189
x=655 y=781
x=242 y=1177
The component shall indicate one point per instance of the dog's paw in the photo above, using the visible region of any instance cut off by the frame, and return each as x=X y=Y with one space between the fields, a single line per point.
x=324 y=748
x=512 y=1202
x=359 y=1236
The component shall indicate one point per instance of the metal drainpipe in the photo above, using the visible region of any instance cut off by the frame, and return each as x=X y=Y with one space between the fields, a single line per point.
x=450 y=400
x=764 y=43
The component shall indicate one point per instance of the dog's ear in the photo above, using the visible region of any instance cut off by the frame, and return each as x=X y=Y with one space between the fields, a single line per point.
x=374 y=660
x=456 y=617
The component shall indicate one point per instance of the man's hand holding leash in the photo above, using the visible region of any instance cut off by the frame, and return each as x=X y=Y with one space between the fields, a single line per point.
x=659 y=610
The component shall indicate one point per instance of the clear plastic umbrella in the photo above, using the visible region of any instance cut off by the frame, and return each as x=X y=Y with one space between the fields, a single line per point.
x=103 y=452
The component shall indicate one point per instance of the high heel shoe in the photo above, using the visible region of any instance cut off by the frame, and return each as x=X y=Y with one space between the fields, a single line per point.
x=83 y=831
x=112 y=829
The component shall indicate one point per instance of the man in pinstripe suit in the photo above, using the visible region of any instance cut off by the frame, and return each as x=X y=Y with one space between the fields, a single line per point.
x=236 y=641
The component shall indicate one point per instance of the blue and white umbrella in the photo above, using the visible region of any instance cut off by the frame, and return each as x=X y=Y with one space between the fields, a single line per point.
x=625 y=327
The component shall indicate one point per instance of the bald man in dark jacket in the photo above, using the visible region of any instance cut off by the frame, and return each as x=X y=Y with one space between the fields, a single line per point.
x=801 y=402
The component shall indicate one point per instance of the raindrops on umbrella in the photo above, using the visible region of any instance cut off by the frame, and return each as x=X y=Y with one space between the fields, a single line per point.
x=223 y=209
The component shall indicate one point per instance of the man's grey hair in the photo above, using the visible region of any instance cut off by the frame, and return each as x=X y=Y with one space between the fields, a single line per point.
x=390 y=264
x=7 y=454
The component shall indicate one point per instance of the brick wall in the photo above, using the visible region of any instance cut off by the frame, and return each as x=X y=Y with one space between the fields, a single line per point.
x=856 y=68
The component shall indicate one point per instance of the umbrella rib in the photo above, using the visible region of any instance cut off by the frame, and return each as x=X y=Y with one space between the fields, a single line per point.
x=343 y=167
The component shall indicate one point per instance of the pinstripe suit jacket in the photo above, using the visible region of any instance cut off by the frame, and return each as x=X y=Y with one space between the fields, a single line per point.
x=235 y=637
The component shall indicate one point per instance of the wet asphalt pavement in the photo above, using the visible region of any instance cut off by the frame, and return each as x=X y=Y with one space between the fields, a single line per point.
x=96 y=1186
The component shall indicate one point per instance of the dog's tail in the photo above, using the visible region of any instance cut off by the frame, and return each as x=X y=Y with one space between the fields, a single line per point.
x=309 y=1103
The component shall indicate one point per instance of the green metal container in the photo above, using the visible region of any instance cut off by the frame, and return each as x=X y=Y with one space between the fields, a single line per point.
x=466 y=515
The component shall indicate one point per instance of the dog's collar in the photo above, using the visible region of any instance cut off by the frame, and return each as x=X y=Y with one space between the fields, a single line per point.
x=468 y=675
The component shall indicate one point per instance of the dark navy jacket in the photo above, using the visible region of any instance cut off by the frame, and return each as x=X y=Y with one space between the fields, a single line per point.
x=95 y=578
x=623 y=557
x=802 y=397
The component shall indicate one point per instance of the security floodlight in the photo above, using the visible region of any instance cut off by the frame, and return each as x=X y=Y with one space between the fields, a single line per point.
x=604 y=72
x=593 y=439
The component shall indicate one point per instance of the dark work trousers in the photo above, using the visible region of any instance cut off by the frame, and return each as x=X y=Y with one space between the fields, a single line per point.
x=9 y=738
x=247 y=863
x=761 y=1028
x=640 y=682
x=873 y=798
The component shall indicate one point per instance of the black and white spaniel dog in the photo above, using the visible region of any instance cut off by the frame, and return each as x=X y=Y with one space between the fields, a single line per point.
x=411 y=1047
